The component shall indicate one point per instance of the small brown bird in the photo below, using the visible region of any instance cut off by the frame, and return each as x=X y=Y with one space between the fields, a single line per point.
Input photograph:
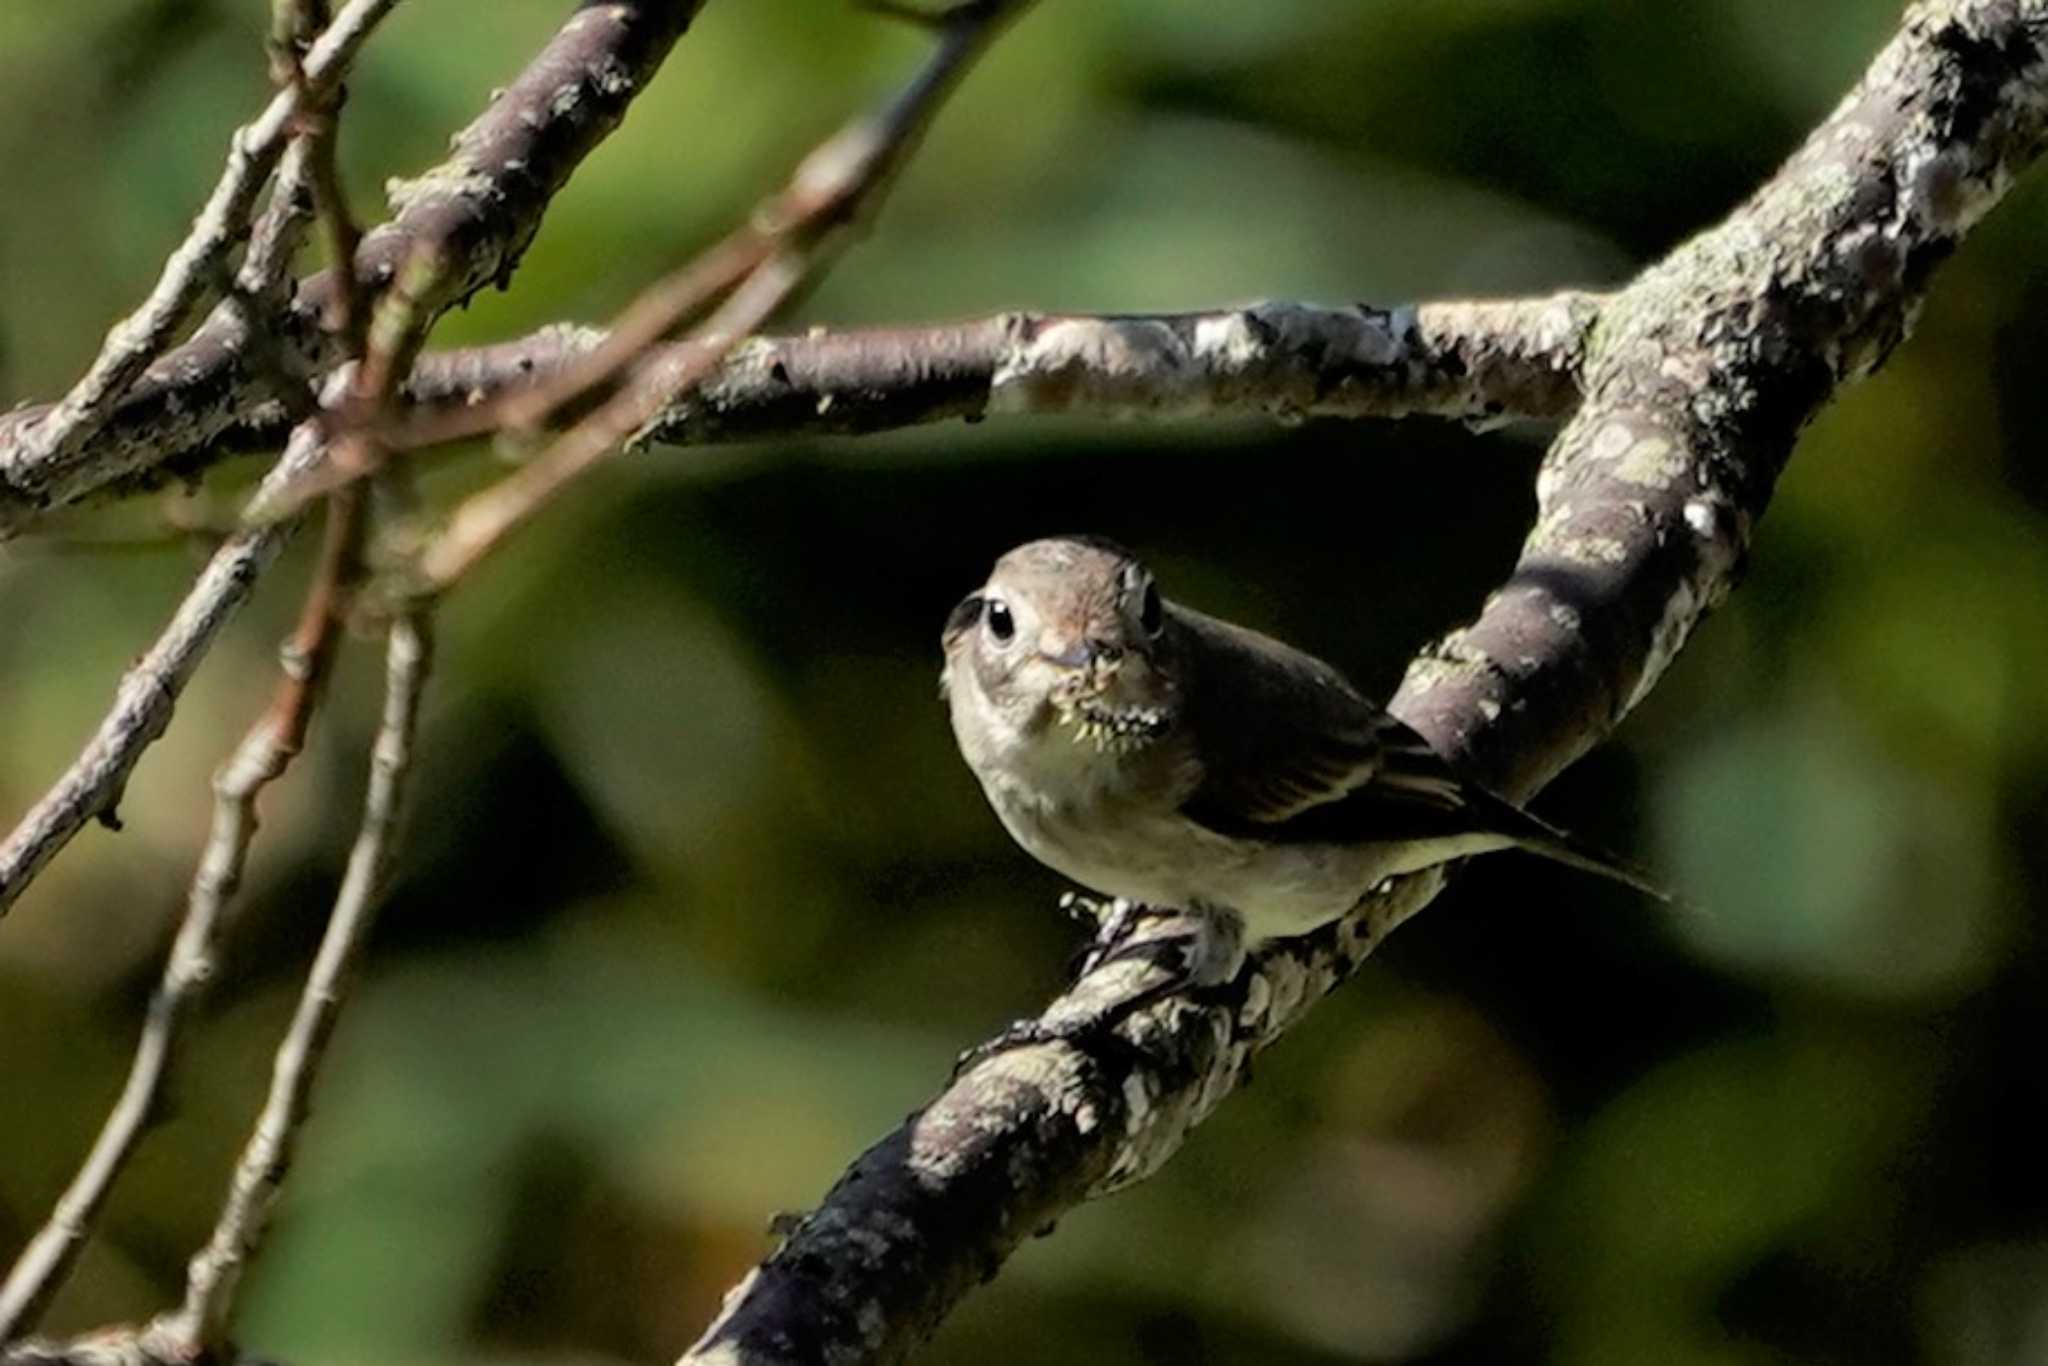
x=1163 y=757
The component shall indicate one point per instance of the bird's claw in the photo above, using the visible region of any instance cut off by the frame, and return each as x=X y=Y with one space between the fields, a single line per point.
x=1113 y=918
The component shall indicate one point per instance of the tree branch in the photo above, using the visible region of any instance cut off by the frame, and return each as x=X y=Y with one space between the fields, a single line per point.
x=485 y=202
x=262 y=756
x=1477 y=361
x=1471 y=361
x=1699 y=378
x=148 y=693
x=54 y=445
x=202 y=1321
x=787 y=241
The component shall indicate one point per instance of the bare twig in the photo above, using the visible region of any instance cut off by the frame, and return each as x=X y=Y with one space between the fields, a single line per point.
x=485 y=202
x=216 y=1271
x=55 y=443
x=294 y=24
x=485 y=519
x=93 y=785
x=142 y=708
x=308 y=174
x=788 y=240
x=279 y=229
x=1698 y=380
x=262 y=756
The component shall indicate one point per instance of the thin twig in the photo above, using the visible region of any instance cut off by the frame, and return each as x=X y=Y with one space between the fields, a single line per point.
x=141 y=337
x=262 y=756
x=787 y=242
x=91 y=786
x=215 y=1272
x=280 y=228
x=294 y=25
x=484 y=520
x=484 y=201
x=257 y=294
x=279 y=734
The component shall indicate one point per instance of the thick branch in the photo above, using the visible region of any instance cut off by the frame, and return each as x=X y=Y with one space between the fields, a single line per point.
x=1700 y=377
x=483 y=204
x=1469 y=361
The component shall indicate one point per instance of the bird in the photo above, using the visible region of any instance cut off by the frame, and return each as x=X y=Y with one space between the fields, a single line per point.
x=1168 y=759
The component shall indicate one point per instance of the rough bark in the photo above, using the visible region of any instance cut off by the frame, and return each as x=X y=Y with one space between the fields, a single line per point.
x=1469 y=361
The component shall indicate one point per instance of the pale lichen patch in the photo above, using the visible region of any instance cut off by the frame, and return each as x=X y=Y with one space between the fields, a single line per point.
x=1227 y=341
x=1654 y=462
x=1592 y=550
x=1611 y=442
x=1122 y=368
x=1085 y=1118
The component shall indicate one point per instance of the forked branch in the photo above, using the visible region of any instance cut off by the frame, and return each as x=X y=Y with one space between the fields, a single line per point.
x=1699 y=378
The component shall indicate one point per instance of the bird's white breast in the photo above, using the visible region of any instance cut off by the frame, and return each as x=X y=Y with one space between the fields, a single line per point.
x=1083 y=814
x=1113 y=823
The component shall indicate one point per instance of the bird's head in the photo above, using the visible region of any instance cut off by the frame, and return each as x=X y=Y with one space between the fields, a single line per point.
x=1069 y=636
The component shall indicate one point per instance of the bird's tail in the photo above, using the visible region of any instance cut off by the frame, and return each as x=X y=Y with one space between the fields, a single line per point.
x=1540 y=837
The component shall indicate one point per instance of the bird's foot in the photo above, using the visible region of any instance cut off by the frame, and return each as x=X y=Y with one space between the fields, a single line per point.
x=1114 y=920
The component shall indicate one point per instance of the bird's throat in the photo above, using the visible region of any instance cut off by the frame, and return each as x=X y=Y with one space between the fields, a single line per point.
x=1111 y=727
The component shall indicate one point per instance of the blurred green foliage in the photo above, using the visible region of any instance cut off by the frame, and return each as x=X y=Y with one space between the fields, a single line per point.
x=699 y=900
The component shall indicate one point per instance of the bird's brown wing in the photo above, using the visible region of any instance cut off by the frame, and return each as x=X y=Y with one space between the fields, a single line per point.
x=1290 y=753
x=1279 y=735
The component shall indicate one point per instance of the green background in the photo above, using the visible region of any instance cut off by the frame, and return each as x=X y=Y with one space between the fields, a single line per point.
x=699 y=901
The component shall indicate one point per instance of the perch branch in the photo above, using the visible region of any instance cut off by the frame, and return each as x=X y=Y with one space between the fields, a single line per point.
x=1699 y=379
x=1470 y=361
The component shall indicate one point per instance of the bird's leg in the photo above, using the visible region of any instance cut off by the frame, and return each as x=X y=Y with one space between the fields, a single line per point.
x=1114 y=919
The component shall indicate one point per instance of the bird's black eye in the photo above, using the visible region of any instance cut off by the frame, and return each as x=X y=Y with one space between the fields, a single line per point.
x=1152 y=612
x=1001 y=624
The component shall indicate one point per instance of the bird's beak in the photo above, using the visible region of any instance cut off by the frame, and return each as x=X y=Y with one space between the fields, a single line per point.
x=1076 y=655
x=1090 y=656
